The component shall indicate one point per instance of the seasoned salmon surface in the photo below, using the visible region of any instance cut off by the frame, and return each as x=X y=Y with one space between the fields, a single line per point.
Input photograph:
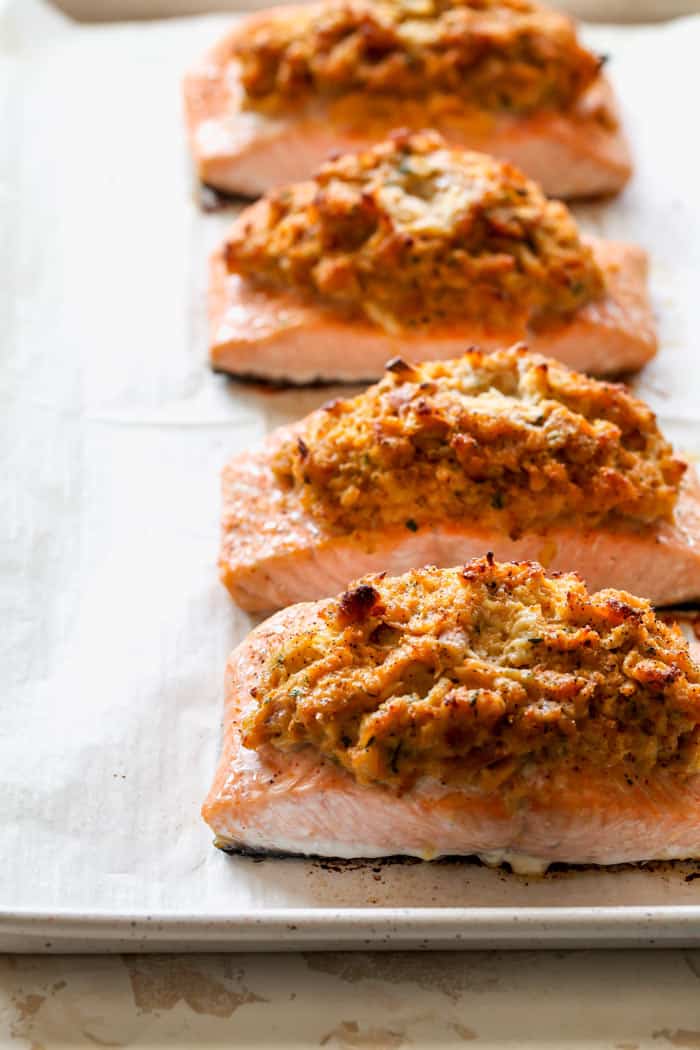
x=412 y=246
x=291 y=85
x=438 y=463
x=487 y=709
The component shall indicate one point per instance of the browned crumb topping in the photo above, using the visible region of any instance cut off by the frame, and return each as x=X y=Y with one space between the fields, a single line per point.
x=507 y=439
x=502 y=55
x=411 y=233
x=486 y=675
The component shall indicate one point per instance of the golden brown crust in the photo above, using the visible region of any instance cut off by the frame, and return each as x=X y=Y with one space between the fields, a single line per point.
x=502 y=55
x=508 y=438
x=412 y=233
x=485 y=675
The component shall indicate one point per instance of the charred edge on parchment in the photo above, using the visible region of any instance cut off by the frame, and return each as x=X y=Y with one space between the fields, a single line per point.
x=280 y=385
x=211 y=199
x=555 y=869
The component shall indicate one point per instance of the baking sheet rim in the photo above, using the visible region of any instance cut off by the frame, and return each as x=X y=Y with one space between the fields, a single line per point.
x=293 y=928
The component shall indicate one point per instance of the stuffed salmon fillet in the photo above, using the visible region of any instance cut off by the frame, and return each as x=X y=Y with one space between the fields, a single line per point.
x=506 y=451
x=418 y=249
x=278 y=337
x=488 y=710
x=288 y=86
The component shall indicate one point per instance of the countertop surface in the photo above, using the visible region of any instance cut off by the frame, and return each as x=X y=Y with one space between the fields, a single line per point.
x=631 y=1000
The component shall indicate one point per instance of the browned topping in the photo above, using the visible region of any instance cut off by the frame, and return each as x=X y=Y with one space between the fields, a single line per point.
x=508 y=439
x=510 y=55
x=411 y=233
x=492 y=675
x=357 y=603
x=398 y=365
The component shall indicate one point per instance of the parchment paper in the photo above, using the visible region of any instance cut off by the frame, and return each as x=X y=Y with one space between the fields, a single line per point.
x=114 y=629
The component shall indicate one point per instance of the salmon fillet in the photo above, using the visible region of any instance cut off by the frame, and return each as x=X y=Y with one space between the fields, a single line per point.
x=272 y=557
x=269 y=801
x=279 y=337
x=506 y=451
x=244 y=151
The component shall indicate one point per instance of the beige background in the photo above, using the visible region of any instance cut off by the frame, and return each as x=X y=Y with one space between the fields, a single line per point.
x=372 y=1001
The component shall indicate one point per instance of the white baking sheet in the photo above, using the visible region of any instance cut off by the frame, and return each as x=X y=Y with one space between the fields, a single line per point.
x=596 y=10
x=114 y=628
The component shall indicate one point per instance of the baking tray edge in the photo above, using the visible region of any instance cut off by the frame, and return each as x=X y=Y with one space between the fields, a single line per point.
x=361 y=928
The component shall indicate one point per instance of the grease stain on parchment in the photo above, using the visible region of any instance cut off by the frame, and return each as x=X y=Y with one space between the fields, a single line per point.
x=467 y=1035
x=97 y=1040
x=160 y=982
x=349 y=1034
x=686 y=1038
x=26 y=1007
x=433 y=971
